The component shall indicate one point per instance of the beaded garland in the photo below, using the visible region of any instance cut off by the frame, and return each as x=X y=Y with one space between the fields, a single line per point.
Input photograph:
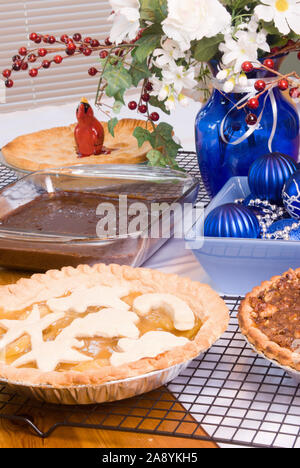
x=286 y=229
x=270 y=213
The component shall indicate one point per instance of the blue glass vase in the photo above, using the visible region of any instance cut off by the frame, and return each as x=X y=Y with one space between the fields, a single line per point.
x=218 y=160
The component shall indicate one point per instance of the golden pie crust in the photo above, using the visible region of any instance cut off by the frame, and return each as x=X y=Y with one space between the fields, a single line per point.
x=205 y=303
x=249 y=328
x=55 y=147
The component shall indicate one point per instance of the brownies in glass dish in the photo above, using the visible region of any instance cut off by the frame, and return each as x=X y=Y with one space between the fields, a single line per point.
x=53 y=218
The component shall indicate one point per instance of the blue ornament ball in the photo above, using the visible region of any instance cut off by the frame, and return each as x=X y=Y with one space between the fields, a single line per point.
x=280 y=225
x=268 y=175
x=232 y=220
x=291 y=195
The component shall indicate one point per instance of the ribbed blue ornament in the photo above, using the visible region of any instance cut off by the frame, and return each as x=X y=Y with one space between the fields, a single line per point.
x=268 y=175
x=232 y=220
x=291 y=195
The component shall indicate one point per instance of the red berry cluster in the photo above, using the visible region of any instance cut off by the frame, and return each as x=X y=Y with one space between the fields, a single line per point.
x=144 y=102
x=283 y=83
x=66 y=47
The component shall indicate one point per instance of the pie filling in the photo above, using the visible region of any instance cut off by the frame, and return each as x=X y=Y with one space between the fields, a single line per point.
x=276 y=311
x=90 y=328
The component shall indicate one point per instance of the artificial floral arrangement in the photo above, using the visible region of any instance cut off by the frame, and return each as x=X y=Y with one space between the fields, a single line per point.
x=167 y=48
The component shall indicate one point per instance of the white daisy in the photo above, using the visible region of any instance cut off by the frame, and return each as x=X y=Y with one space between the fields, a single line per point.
x=284 y=13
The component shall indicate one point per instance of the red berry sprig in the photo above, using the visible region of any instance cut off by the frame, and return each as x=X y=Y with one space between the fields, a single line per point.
x=295 y=93
x=253 y=103
x=260 y=85
x=92 y=71
x=251 y=119
x=143 y=106
x=154 y=116
x=247 y=67
x=132 y=105
x=67 y=46
x=283 y=82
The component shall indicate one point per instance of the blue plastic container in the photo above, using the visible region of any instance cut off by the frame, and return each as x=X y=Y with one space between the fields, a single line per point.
x=236 y=266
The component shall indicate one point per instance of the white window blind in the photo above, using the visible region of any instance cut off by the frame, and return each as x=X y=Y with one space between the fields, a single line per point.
x=60 y=83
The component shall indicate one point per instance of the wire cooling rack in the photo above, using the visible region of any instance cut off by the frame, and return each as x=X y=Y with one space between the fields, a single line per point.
x=229 y=395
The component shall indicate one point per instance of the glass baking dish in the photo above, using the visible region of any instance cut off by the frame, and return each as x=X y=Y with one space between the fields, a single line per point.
x=236 y=266
x=25 y=249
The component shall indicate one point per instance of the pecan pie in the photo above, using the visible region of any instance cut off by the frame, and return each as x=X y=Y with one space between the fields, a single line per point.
x=56 y=147
x=269 y=317
x=93 y=325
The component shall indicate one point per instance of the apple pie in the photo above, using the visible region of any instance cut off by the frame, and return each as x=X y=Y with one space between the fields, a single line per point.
x=56 y=147
x=93 y=325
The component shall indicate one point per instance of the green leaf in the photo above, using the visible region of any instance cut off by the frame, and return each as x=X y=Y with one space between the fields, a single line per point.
x=155 y=102
x=271 y=28
x=163 y=138
x=139 y=71
x=142 y=135
x=148 y=43
x=118 y=81
x=207 y=48
x=156 y=158
x=117 y=107
x=153 y=10
x=164 y=150
x=111 y=125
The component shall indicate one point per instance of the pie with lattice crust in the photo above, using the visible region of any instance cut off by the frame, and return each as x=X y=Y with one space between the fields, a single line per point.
x=56 y=147
x=93 y=325
x=269 y=317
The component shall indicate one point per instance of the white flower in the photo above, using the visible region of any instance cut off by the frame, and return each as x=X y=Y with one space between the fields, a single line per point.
x=236 y=52
x=194 y=19
x=164 y=92
x=160 y=89
x=125 y=17
x=243 y=80
x=284 y=13
x=223 y=74
x=229 y=85
x=184 y=100
x=169 y=52
x=179 y=77
x=170 y=103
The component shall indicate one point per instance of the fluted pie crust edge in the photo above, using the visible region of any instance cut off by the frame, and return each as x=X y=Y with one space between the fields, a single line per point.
x=204 y=302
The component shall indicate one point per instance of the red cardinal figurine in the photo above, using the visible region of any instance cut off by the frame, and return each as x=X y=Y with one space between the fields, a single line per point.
x=89 y=133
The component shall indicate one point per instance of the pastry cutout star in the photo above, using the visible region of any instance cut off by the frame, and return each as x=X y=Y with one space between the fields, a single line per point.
x=48 y=354
x=109 y=323
x=33 y=325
